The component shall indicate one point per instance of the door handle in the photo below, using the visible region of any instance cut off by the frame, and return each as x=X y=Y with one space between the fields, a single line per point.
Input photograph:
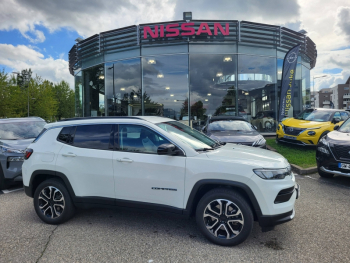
x=126 y=160
x=69 y=154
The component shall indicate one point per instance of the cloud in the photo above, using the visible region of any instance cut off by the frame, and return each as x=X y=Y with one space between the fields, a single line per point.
x=22 y=57
x=251 y=10
x=343 y=20
x=87 y=17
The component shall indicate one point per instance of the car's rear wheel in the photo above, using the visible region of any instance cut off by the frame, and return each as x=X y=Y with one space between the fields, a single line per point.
x=224 y=217
x=52 y=202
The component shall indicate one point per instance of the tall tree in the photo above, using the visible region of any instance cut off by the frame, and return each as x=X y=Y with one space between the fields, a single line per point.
x=65 y=100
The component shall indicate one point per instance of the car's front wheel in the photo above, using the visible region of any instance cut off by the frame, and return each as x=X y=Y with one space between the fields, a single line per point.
x=224 y=217
x=52 y=202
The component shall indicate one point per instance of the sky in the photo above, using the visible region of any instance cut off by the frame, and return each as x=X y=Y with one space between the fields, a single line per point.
x=38 y=34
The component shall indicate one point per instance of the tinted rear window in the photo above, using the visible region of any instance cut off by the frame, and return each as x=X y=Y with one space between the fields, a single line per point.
x=66 y=134
x=93 y=136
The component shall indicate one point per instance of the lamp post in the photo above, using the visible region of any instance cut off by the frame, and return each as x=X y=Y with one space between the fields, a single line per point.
x=25 y=76
x=313 y=84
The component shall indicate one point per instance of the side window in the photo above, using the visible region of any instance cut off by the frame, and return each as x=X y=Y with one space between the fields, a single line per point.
x=337 y=115
x=344 y=115
x=66 y=135
x=136 y=138
x=98 y=136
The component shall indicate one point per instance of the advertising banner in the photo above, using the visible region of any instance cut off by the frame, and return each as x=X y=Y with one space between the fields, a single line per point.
x=288 y=77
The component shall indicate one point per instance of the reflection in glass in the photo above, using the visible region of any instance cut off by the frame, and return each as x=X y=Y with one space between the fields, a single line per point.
x=306 y=87
x=79 y=95
x=212 y=86
x=123 y=88
x=166 y=86
x=256 y=91
x=94 y=91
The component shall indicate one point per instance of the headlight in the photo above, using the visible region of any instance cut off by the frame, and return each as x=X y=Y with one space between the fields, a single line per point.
x=324 y=141
x=10 y=150
x=270 y=174
x=260 y=141
x=323 y=150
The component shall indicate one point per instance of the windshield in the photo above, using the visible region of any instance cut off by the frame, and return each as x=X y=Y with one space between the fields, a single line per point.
x=345 y=127
x=315 y=115
x=21 y=130
x=230 y=125
x=186 y=134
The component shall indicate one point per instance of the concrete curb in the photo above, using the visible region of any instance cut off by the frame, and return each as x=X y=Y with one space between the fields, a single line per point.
x=295 y=168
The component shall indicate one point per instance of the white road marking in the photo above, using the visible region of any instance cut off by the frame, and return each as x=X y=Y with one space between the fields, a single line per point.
x=10 y=191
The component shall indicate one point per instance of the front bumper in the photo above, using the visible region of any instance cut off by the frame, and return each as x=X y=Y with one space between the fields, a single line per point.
x=329 y=164
x=302 y=139
x=267 y=222
x=12 y=171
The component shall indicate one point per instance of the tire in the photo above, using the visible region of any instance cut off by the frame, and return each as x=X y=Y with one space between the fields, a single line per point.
x=323 y=174
x=223 y=232
x=268 y=126
x=51 y=211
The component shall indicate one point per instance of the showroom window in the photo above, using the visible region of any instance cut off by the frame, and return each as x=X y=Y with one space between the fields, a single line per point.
x=257 y=91
x=165 y=86
x=212 y=87
x=123 y=88
x=94 y=91
x=94 y=137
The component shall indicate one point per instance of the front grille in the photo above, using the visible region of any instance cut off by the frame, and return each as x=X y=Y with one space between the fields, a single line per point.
x=291 y=141
x=292 y=130
x=341 y=151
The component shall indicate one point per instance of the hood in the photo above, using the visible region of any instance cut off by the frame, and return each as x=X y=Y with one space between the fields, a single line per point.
x=235 y=136
x=337 y=137
x=304 y=124
x=17 y=144
x=252 y=156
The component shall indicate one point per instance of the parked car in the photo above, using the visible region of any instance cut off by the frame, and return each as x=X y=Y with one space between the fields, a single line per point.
x=15 y=135
x=265 y=121
x=310 y=126
x=333 y=152
x=159 y=164
x=234 y=130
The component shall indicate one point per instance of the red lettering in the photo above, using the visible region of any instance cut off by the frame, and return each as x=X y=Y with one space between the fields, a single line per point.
x=147 y=29
x=206 y=30
x=174 y=31
x=225 y=32
x=185 y=28
x=161 y=30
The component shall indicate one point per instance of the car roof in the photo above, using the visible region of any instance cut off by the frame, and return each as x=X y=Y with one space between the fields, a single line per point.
x=25 y=119
x=225 y=118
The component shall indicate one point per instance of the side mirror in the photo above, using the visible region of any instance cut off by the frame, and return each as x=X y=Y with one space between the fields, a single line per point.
x=336 y=127
x=167 y=149
x=335 y=120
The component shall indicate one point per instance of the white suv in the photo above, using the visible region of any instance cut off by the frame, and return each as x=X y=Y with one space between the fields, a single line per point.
x=159 y=164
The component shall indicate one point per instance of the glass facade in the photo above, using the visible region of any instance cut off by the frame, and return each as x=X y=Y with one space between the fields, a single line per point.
x=191 y=84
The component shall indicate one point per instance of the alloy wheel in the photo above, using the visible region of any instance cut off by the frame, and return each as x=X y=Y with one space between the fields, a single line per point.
x=223 y=219
x=51 y=202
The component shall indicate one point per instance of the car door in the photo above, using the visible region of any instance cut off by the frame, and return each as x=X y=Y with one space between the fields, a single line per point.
x=141 y=174
x=86 y=159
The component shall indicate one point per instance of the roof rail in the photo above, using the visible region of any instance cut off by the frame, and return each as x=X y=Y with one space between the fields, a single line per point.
x=102 y=117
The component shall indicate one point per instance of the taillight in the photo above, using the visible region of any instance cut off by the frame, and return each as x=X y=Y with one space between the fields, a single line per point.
x=28 y=153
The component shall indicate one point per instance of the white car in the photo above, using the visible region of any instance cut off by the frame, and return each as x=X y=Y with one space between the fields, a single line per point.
x=158 y=164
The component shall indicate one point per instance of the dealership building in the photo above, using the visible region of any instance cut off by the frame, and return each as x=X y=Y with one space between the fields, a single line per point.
x=189 y=70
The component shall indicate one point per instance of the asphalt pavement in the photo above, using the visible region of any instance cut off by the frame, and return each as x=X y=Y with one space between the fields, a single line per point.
x=320 y=232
